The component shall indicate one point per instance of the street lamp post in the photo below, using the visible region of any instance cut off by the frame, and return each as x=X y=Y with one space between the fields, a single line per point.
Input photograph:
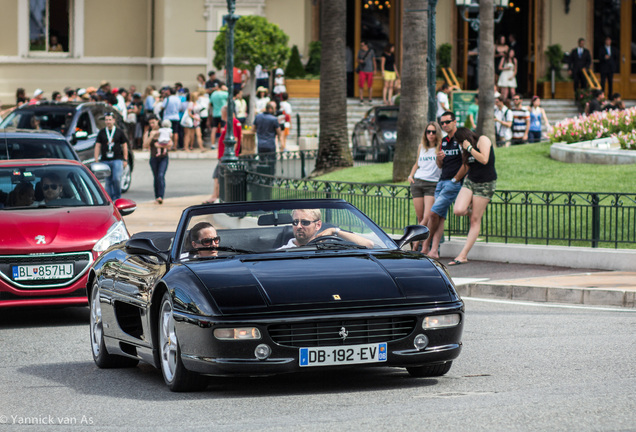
x=230 y=140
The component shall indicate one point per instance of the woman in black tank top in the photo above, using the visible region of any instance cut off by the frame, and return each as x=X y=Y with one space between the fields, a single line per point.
x=479 y=185
x=389 y=73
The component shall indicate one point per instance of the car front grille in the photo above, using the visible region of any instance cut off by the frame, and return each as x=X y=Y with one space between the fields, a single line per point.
x=342 y=332
x=81 y=261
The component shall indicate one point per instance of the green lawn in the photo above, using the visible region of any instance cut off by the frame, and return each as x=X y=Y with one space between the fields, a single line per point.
x=524 y=167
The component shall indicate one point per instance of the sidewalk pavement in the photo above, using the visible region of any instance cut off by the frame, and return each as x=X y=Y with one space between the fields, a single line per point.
x=552 y=274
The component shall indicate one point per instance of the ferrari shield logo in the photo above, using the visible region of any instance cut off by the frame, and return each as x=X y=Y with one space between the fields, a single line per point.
x=40 y=239
x=343 y=333
x=336 y=297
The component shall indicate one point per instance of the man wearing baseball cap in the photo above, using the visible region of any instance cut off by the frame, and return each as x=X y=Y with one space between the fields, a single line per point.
x=38 y=95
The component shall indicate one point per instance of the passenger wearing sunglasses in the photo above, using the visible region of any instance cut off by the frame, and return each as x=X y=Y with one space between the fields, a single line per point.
x=307 y=224
x=203 y=240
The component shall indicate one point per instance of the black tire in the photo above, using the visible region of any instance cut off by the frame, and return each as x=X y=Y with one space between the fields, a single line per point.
x=357 y=153
x=430 y=370
x=176 y=376
x=378 y=155
x=102 y=358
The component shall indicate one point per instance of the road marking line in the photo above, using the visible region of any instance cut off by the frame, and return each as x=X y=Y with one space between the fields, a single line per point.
x=550 y=305
x=466 y=281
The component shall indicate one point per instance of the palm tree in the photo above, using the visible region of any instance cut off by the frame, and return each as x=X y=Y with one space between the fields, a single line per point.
x=414 y=94
x=486 y=122
x=333 y=144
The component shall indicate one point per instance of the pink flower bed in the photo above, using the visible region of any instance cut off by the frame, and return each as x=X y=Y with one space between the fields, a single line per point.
x=603 y=124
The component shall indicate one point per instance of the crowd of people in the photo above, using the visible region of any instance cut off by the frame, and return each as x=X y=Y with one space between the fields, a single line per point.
x=179 y=118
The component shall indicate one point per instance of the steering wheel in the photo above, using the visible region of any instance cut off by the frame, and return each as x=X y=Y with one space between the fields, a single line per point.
x=325 y=238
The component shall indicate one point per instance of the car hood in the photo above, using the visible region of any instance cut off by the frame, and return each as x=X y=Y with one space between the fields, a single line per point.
x=54 y=230
x=323 y=281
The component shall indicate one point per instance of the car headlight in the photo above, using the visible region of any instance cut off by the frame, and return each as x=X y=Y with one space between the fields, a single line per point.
x=116 y=233
x=390 y=135
x=240 y=333
x=440 y=321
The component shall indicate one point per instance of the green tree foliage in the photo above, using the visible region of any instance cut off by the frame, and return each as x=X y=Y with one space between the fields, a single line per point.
x=315 y=53
x=294 y=68
x=256 y=41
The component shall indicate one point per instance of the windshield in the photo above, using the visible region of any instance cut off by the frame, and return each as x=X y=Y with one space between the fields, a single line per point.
x=48 y=186
x=32 y=148
x=387 y=115
x=285 y=227
x=58 y=120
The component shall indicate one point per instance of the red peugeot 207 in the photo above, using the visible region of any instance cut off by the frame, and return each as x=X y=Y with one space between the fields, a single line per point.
x=55 y=220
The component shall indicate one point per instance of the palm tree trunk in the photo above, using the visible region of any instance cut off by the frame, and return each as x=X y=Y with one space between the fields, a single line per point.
x=414 y=93
x=333 y=143
x=486 y=119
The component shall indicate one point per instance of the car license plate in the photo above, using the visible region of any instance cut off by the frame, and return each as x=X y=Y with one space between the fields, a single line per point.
x=43 y=271
x=341 y=355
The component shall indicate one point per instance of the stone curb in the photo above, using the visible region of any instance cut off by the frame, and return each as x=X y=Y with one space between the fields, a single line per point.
x=547 y=294
x=562 y=256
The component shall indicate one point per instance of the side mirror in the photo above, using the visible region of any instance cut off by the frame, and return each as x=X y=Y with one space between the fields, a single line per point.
x=413 y=233
x=125 y=206
x=81 y=135
x=101 y=170
x=144 y=246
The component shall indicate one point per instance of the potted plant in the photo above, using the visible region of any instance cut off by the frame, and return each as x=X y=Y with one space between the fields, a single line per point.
x=307 y=84
x=563 y=87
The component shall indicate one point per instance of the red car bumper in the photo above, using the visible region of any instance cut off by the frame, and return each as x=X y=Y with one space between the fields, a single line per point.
x=15 y=293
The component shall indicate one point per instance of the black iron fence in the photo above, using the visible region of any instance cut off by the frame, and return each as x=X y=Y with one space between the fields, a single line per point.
x=550 y=218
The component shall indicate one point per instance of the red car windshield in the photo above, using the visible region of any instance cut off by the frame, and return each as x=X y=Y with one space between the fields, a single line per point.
x=31 y=187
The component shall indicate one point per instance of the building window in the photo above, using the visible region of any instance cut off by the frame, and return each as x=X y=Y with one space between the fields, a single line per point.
x=49 y=25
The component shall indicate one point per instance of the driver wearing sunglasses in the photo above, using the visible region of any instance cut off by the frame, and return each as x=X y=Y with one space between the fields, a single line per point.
x=51 y=187
x=203 y=238
x=307 y=223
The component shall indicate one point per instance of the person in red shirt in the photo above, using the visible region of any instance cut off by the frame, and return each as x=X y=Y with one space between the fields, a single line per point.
x=239 y=78
x=221 y=149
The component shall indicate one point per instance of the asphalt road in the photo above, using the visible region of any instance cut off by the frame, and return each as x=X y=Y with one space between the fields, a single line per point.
x=523 y=367
x=183 y=177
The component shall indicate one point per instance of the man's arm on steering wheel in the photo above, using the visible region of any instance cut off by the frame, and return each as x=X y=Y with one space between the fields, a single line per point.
x=347 y=236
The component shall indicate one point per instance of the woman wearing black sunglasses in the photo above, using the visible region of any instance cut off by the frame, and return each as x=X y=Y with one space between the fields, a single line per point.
x=203 y=238
x=424 y=176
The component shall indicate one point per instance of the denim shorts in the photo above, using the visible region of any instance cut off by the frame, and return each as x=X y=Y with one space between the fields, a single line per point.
x=445 y=194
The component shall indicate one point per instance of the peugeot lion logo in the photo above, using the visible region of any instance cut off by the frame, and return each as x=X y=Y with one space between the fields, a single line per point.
x=40 y=239
x=343 y=333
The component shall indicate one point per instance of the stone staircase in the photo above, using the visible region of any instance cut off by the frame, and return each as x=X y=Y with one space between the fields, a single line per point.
x=309 y=109
x=558 y=109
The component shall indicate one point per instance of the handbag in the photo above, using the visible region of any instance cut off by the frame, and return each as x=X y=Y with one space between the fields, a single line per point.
x=186 y=120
